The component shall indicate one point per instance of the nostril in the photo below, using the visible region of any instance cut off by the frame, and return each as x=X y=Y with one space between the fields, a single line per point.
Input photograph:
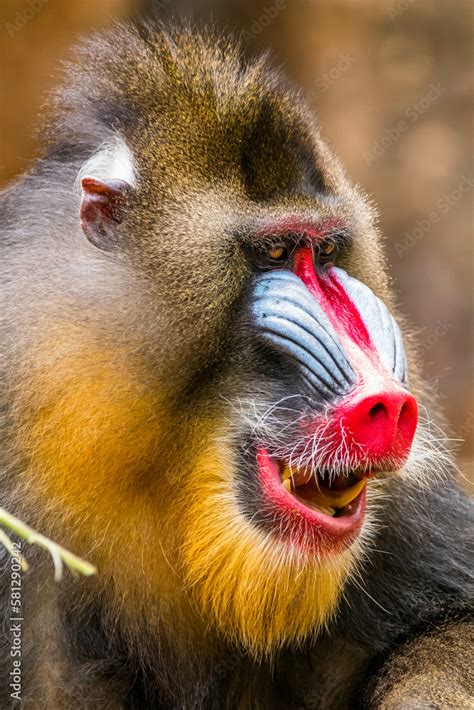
x=408 y=415
x=377 y=409
x=404 y=412
x=384 y=424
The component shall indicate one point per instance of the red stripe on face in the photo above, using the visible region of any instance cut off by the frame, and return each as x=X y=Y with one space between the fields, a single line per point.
x=294 y=225
x=379 y=419
x=333 y=299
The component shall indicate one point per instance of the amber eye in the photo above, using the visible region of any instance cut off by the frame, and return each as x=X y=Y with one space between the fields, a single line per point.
x=327 y=250
x=278 y=253
x=269 y=256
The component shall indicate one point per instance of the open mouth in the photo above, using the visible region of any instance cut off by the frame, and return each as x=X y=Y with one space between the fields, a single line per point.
x=311 y=504
x=333 y=496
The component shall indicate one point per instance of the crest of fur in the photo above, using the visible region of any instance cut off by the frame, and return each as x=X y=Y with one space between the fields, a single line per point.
x=113 y=441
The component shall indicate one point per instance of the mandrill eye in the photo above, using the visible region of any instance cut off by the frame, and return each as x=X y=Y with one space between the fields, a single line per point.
x=326 y=251
x=278 y=253
x=272 y=256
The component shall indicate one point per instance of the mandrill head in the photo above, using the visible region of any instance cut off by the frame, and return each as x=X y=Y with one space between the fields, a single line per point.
x=249 y=386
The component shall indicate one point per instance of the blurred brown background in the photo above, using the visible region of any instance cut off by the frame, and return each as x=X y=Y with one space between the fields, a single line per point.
x=391 y=84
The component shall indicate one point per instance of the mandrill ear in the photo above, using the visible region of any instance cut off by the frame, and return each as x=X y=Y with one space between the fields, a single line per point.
x=102 y=209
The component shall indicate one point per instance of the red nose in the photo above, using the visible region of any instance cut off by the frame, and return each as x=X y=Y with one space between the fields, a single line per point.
x=384 y=424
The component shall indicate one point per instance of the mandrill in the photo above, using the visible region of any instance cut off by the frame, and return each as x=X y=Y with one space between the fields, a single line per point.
x=205 y=392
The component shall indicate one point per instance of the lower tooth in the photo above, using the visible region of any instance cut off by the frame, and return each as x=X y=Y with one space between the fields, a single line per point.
x=327 y=511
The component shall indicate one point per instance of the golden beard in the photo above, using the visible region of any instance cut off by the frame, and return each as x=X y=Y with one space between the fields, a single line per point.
x=260 y=592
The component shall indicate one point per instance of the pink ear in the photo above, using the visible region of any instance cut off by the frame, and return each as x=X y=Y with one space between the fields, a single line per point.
x=102 y=209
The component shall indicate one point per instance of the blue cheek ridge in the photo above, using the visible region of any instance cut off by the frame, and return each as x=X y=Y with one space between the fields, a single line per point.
x=289 y=319
x=381 y=325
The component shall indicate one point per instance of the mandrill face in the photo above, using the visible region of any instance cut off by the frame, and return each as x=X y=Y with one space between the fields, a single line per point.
x=350 y=415
x=286 y=372
x=325 y=410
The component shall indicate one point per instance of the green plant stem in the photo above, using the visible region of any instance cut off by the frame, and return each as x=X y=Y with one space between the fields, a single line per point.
x=59 y=554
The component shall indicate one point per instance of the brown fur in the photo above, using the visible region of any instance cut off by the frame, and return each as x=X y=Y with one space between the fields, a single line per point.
x=435 y=671
x=119 y=437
